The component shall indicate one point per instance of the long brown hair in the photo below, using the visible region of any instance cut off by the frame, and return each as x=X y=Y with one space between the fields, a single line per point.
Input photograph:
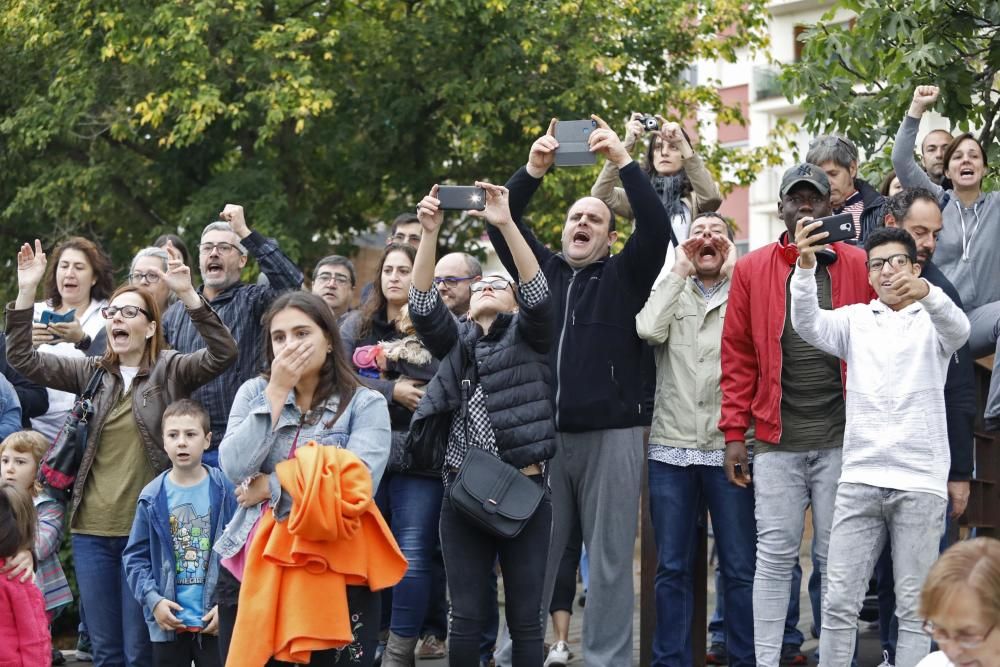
x=950 y=151
x=376 y=301
x=336 y=376
x=154 y=344
x=99 y=264
x=17 y=521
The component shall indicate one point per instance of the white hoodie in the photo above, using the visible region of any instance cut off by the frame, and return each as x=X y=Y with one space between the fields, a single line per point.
x=896 y=435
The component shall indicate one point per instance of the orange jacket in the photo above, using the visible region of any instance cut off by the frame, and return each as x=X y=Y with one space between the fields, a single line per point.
x=294 y=595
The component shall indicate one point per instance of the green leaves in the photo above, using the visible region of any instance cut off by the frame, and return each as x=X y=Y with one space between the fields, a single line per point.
x=859 y=79
x=125 y=119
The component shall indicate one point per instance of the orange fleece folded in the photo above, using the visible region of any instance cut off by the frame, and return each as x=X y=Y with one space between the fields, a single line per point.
x=294 y=595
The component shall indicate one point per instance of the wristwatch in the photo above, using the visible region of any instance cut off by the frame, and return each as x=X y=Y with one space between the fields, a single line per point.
x=84 y=343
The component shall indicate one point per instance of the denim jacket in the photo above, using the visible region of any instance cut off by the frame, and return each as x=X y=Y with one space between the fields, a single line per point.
x=149 y=560
x=10 y=409
x=252 y=446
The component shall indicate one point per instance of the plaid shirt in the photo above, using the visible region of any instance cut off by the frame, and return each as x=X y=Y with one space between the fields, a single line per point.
x=240 y=307
x=481 y=432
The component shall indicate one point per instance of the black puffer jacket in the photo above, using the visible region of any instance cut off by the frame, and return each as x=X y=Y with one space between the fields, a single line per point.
x=512 y=367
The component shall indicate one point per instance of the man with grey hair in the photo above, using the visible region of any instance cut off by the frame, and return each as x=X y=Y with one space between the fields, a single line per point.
x=453 y=276
x=333 y=281
x=222 y=254
x=838 y=158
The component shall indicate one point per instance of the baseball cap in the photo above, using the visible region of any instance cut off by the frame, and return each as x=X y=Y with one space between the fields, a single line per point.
x=805 y=173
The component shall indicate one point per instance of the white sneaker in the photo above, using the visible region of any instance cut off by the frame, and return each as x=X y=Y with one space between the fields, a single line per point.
x=559 y=655
x=885 y=660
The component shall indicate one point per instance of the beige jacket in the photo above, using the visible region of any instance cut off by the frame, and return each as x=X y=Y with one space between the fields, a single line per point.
x=687 y=333
x=704 y=194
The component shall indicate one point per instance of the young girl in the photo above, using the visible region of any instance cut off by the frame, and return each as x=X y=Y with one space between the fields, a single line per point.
x=24 y=630
x=20 y=457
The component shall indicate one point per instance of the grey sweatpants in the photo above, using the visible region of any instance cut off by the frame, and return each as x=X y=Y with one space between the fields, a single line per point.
x=984 y=339
x=596 y=479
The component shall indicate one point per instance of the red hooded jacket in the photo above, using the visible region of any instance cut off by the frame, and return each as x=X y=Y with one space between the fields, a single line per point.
x=751 y=335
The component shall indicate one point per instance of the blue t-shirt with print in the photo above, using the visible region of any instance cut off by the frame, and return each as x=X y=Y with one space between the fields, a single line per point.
x=190 y=510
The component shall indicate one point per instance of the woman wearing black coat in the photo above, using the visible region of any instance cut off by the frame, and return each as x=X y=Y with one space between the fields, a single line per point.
x=502 y=347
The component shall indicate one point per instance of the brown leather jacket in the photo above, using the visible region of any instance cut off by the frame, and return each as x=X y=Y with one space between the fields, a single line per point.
x=172 y=376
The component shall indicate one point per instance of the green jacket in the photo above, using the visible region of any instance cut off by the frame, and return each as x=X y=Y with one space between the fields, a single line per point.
x=687 y=333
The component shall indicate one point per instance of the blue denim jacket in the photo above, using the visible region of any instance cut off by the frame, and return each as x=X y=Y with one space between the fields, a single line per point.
x=10 y=409
x=251 y=445
x=149 y=560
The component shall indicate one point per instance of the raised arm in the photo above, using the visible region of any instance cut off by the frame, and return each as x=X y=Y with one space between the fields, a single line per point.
x=434 y=323
x=522 y=185
x=907 y=170
x=706 y=190
x=826 y=330
x=50 y=370
x=197 y=368
x=281 y=272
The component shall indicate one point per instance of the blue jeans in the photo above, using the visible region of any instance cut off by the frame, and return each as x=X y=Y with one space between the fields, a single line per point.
x=412 y=506
x=115 y=621
x=675 y=495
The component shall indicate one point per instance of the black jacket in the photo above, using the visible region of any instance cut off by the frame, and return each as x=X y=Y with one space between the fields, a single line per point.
x=598 y=360
x=959 y=391
x=512 y=367
x=873 y=215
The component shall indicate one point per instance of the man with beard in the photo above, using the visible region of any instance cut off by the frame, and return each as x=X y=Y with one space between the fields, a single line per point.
x=932 y=153
x=222 y=254
x=793 y=392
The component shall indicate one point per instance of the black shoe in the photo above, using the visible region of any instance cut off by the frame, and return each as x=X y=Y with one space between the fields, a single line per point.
x=57 y=657
x=717 y=655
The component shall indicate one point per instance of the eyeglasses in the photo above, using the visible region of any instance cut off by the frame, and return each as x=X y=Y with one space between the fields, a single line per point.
x=324 y=278
x=451 y=281
x=149 y=277
x=496 y=284
x=966 y=642
x=223 y=248
x=406 y=238
x=128 y=312
x=895 y=261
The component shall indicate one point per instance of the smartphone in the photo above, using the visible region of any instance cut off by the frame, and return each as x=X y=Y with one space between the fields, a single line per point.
x=461 y=198
x=52 y=317
x=573 y=137
x=840 y=227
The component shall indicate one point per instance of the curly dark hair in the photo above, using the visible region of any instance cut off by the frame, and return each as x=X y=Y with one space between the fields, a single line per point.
x=99 y=262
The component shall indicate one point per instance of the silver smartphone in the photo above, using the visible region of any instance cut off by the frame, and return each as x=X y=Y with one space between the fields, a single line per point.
x=573 y=137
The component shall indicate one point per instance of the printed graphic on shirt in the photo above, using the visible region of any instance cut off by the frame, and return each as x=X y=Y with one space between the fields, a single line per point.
x=192 y=543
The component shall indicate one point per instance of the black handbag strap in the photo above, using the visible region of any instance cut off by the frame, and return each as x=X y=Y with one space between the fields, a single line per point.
x=469 y=379
x=93 y=385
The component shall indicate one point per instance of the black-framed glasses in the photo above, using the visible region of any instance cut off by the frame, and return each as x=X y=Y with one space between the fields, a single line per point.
x=495 y=284
x=222 y=247
x=128 y=312
x=149 y=277
x=895 y=261
x=966 y=642
x=451 y=281
x=324 y=278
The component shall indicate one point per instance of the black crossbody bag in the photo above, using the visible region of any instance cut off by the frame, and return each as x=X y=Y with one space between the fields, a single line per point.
x=492 y=494
x=61 y=463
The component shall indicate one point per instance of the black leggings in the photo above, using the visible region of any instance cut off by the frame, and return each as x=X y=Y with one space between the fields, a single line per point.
x=469 y=556
x=365 y=608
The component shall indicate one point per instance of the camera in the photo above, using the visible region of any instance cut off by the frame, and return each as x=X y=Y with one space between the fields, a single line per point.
x=649 y=123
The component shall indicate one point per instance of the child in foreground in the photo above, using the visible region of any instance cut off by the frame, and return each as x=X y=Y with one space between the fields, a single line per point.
x=169 y=562
x=21 y=455
x=24 y=630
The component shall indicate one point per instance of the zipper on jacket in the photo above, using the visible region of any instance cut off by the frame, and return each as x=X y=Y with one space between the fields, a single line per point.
x=571 y=318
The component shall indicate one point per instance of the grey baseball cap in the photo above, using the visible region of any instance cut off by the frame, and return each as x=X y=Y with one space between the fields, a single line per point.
x=805 y=173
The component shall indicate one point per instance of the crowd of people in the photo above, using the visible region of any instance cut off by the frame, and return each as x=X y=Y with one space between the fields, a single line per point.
x=337 y=474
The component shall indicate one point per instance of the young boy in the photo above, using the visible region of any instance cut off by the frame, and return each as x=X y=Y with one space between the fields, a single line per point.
x=169 y=562
x=893 y=481
x=21 y=454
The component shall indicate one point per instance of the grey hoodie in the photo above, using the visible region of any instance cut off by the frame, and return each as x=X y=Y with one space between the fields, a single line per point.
x=968 y=248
